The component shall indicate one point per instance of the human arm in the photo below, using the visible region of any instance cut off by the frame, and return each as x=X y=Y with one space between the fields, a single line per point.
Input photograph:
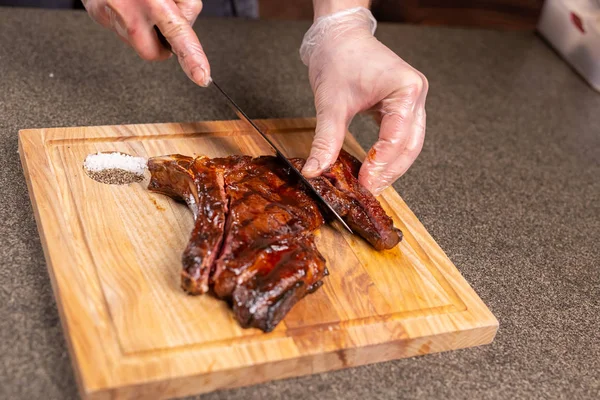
x=134 y=20
x=350 y=71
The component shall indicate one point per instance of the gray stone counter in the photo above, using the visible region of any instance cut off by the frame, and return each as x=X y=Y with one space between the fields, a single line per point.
x=507 y=183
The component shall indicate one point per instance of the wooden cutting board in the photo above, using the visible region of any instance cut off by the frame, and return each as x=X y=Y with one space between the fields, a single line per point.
x=113 y=255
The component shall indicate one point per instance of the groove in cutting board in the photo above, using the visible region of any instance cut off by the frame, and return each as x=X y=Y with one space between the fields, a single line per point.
x=113 y=254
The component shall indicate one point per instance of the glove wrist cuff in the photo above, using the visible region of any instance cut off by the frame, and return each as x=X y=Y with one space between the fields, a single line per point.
x=338 y=22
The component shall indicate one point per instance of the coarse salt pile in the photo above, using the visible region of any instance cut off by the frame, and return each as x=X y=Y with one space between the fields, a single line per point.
x=100 y=161
x=115 y=168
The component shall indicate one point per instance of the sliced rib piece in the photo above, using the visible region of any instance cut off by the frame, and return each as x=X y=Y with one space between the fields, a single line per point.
x=200 y=183
x=367 y=217
x=359 y=208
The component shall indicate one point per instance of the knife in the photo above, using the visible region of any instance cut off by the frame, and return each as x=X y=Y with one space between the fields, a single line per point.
x=324 y=205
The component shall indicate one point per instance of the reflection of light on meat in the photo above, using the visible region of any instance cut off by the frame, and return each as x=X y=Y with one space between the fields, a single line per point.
x=191 y=203
x=276 y=247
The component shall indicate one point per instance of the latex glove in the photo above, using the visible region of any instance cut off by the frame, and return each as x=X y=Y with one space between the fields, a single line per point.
x=134 y=21
x=351 y=71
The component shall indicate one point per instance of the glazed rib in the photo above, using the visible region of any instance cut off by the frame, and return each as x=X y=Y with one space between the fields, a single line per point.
x=252 y=242
x=269 y=257
x=357 y=206
x=200 y=183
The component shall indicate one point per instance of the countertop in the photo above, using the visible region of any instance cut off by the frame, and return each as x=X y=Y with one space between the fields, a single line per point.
x=507 y=183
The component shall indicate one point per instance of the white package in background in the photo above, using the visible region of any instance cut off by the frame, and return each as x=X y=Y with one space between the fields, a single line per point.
x=573 y=28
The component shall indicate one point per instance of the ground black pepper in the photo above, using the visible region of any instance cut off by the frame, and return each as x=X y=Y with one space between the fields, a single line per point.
x=115 y=176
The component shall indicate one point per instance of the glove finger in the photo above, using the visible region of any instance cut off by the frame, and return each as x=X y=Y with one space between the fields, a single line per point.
x=390 y=157
x=178 y=31
x=98 y=12
x=190 y=9
x=332 y=124
x=423 y=92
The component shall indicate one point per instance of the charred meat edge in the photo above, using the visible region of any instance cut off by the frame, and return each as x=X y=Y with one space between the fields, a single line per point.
x=201 y=186
x=360 y=209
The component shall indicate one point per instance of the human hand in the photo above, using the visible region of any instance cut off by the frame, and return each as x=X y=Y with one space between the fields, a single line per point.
x=350 y=71
x=134 y=21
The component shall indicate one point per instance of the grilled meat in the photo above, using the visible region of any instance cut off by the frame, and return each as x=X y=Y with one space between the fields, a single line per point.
x=200 y=183
x=269 y=258
x=357 y=206
x=252 y=241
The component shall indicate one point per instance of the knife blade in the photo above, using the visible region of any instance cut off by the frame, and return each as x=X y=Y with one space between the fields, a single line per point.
x=324 y=205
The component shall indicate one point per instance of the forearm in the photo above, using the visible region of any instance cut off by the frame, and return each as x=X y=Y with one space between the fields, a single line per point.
x=325 y=7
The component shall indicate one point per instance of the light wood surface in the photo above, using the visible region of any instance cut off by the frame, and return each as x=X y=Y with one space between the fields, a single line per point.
x=113 y=255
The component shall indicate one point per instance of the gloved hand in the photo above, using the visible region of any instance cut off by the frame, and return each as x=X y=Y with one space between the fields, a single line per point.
x=134 y=20
x=350 y=71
